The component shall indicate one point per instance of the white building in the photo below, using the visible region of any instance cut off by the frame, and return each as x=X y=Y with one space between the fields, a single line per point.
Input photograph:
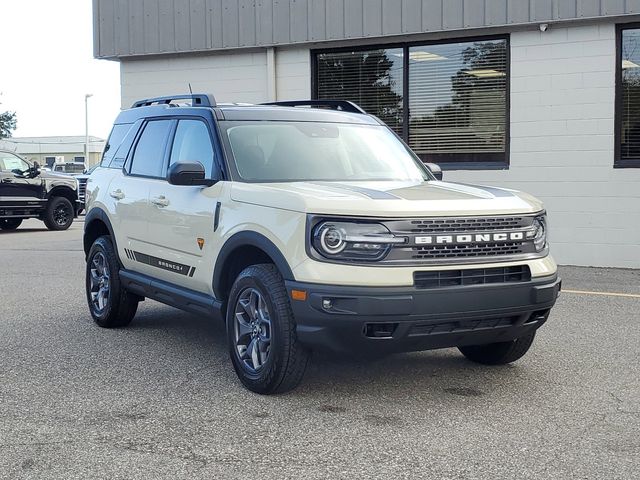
x=535 y=95
x=49 y=150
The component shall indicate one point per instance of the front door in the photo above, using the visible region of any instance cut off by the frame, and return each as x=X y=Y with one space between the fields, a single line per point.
x=181 y=218
x=17 y=183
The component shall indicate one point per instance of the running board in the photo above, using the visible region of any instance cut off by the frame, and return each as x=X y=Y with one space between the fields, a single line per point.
x=172 y=295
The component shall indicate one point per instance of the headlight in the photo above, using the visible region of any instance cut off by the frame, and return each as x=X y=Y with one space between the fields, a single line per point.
x=353 y=241
x=539 y=233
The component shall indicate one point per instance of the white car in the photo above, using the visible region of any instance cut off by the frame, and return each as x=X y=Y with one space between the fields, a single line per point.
x=307 y=225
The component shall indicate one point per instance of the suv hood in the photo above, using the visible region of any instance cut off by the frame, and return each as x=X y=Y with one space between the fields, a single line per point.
x=386 y=199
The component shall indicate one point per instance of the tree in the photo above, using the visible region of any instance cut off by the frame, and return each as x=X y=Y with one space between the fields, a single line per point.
x=8 y=122
x=366 y=79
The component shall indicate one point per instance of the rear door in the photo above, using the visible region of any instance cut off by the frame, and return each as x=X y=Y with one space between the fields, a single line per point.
x=181 y=218
x=130 y=194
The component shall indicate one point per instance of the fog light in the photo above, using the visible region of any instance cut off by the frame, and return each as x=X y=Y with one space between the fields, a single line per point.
x=327 y=304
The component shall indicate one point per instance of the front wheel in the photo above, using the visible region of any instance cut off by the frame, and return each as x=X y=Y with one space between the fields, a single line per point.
x=10 y=223
x=110 y=305
x=499 y=353
x=261 y=330
x=59 y=214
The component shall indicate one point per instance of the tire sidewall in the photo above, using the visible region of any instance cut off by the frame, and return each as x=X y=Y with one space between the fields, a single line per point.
x=255 y=381
x=50 y=221
x=101 y=245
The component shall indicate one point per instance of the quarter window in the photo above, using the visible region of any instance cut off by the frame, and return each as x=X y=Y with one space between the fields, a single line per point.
x=447 y=100
x=192 y=143
x=628 y=99
x=148 y=157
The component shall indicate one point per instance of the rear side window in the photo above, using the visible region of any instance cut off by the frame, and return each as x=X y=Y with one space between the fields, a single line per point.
x=192 y=143
x=148 y=157
x=116 y=136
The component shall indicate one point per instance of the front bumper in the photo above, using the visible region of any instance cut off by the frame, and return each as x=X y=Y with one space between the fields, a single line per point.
x=403 y=319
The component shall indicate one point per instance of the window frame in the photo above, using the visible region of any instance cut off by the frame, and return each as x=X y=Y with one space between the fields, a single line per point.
x=618 y=162
x=167 y=141
x=172 y=137
x=494 y=161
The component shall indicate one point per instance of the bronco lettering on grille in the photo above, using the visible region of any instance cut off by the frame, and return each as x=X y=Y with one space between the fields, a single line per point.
x=470 y=238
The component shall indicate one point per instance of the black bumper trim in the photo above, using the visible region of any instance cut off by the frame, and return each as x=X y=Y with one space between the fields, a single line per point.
x=396 y=319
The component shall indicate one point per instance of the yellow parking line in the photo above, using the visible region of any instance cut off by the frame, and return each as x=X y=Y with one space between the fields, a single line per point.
x=606 y=294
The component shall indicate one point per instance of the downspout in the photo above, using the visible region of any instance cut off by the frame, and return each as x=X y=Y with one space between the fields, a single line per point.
x=272 y=88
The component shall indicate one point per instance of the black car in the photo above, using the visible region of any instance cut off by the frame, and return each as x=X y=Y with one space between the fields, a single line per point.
x=26 y=191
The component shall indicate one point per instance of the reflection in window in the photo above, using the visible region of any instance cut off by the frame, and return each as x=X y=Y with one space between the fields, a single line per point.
x=629 y=109
x=458 y=101
x=372 y=79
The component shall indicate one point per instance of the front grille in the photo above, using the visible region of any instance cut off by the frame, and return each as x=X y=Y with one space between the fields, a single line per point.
x=461 y=326
x=474 y=276
x=459 y=251
x=463 y=225
x=461 y=239
x=82 y=189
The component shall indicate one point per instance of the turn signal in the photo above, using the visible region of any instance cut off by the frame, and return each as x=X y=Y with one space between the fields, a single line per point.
x=300 y=295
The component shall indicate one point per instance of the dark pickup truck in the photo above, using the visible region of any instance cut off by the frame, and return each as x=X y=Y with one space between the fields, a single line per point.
x=26 y=191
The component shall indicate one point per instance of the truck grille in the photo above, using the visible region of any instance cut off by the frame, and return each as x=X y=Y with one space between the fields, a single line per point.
x=461 y=239
x=458 y=251
x=465 y=224
x=474 y=276
x=82 y=189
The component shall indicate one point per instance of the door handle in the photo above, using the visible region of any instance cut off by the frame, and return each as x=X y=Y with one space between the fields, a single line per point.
x=117 y=194
x=160 y=201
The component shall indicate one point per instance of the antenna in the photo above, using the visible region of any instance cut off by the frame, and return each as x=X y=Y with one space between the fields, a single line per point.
x=190 y=91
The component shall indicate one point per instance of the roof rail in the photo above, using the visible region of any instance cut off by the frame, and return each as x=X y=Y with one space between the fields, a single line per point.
x=197 y=100
x=340 y=105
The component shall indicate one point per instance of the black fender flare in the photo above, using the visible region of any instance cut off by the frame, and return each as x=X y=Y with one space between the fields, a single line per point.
x=101 y=215
x=251 y=239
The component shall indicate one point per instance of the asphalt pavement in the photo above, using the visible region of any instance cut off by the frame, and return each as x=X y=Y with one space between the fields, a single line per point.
x=159 y=399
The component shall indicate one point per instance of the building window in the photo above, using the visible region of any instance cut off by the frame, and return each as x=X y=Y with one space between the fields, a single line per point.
x=449 y=101
x=628 y=99
x=371 y=78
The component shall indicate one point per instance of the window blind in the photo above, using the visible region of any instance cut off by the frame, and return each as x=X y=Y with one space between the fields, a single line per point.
x=629 y=107
x=458 y=99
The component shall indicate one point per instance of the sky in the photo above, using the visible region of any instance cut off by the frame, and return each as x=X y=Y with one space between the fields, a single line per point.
x=47 y=67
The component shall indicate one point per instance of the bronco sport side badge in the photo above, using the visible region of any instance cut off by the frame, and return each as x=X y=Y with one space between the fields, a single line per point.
x=200 y=242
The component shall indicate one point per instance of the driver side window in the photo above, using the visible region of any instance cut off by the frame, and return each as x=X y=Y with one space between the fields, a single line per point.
x=10 y=162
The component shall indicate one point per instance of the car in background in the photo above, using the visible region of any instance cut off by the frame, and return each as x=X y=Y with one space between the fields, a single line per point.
x=27 y=191
x=82 y=184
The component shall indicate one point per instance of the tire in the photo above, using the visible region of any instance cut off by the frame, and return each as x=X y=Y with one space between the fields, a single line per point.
x=111 y=307
x=499 y=353
x=280 y=362
x=10 y=223
x=58 y=214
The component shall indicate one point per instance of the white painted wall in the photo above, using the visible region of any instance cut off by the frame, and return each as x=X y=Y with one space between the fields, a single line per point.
x=562 y=145
x=562 y=128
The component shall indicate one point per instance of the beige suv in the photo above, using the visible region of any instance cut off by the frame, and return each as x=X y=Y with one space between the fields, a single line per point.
x=307 y=225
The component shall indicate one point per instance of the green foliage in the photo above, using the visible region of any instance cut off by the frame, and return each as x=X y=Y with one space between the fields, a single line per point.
x=8 y=122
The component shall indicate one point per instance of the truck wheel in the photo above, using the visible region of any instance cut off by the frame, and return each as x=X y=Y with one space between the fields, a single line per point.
x=499 y=353
x=110 y=305
x=59 y=214
x=10 y=223
x=261 y=331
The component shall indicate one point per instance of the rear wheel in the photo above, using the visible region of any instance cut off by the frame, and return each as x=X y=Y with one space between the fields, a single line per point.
x=10 y=223
x=110 y=305
x=499 y=353
x=261 y=330
x=58 y=214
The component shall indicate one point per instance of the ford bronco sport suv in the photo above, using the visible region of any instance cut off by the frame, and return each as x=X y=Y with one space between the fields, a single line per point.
x=308 y=228
x=26 y=191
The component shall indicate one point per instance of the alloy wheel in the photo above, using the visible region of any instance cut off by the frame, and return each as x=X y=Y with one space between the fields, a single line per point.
x=99 y=282
x=61 y=214
x=252 y=329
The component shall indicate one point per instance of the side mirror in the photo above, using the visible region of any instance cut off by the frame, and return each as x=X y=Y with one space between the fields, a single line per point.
x=435 y=169
x=188 y=173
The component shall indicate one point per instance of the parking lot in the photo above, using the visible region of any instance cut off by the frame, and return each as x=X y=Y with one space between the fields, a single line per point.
x=160 y=399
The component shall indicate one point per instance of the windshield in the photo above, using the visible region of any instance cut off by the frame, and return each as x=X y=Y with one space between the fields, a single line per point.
x=304 y=151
